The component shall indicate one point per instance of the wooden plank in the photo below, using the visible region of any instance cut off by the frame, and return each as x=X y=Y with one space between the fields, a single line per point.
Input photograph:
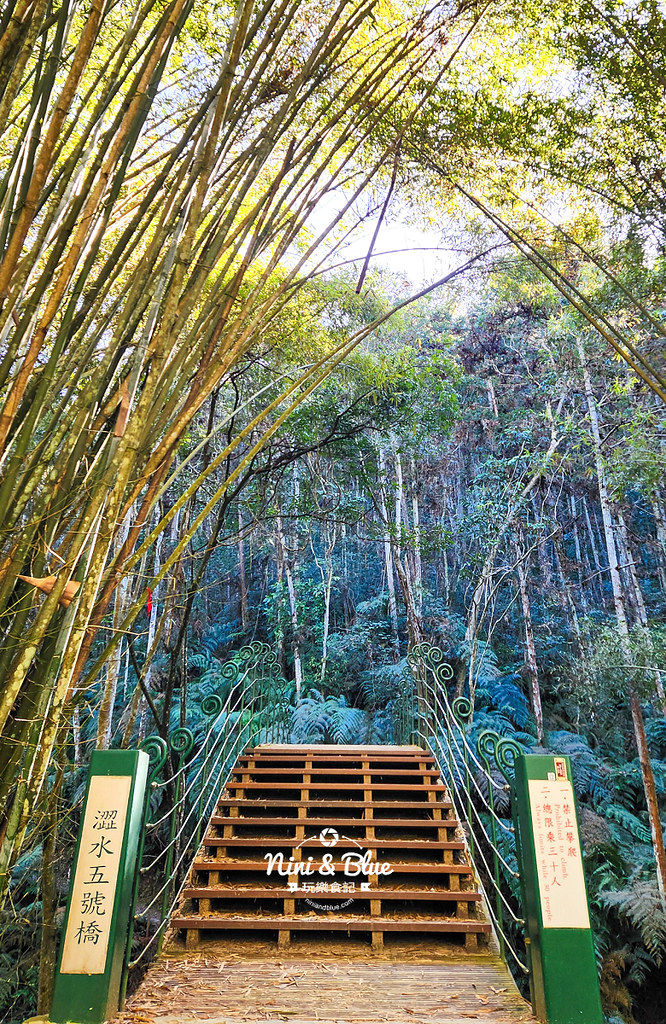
x=218 y=864
x=413 y=773
x=452 y=926
x=339 y=748
x=349 y=844
x=387 y=805
x=403 y=787
x=216 y=892
x=331 y=758
x=426 y=823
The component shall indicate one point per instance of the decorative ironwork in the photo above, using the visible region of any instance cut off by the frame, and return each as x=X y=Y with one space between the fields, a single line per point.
x=188 y=770
x=472 y=768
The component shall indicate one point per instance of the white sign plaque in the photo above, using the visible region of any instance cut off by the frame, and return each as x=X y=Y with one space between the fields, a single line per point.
x=96 y=875
x=558 y=854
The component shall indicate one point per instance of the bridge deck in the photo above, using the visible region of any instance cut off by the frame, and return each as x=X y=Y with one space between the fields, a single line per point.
x=226 y=983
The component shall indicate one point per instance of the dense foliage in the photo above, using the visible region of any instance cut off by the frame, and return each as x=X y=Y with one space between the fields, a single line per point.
x=220 y=424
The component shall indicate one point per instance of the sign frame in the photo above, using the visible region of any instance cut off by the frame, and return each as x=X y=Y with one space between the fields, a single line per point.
x=93 y=998
x=564 y=981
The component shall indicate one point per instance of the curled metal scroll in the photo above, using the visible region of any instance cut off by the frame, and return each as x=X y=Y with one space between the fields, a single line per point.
x=486 y=747
x=434 y=659
x=181 y=740
x=212 y=705
x=462 y=710
x=507 y=752
x=156 y=749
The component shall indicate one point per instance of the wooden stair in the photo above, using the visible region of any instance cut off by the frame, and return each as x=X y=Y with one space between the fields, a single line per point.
x=386 y=803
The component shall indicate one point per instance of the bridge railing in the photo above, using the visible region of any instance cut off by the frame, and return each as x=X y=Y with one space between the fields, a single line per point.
x=188 y=769
x=479 y=775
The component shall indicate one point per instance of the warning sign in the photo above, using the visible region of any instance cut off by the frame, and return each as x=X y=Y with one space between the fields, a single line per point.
x=558 y=854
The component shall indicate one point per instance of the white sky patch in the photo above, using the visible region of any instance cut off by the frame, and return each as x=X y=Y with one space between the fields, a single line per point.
x=419 y=254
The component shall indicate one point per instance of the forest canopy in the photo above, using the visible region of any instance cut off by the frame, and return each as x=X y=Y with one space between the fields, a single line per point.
x=338 y=327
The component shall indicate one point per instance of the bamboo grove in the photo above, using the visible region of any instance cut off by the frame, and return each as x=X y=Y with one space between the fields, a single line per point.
x=222 y=418
x=155 y=226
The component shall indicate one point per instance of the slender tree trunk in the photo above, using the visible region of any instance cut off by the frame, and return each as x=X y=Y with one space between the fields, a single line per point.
x=566 y=590
x=49 y=894
x=660 y=525
x=327 y=584
x=639 y=601
x=596 y=556
x=531 y=664
x=293 y=608
x=579 y=553
x=649 y=786
x=114 y=663
x=241 y=574
x=418 y=563
x=76 y=734
x=388 y=555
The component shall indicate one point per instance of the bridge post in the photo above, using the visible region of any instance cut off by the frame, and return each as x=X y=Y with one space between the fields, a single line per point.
x=564 y=981
x=89 y=972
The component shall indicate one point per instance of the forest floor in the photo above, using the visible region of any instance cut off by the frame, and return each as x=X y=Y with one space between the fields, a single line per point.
x=326 y=982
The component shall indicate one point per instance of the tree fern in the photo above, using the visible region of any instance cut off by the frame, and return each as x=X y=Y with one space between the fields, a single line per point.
x=505 y=696
x=590 y=773
x=641 y=904
x=628 y=821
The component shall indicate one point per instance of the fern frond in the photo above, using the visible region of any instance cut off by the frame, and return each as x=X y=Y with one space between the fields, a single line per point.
x=642 y=906
x=628 y=821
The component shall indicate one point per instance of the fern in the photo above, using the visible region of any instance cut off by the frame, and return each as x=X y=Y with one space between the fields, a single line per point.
x=320 y=719
x=486 y=669
x=641 y=904
x=590 y=773
x=506 y=697
x=655 y=730
x=628 y=821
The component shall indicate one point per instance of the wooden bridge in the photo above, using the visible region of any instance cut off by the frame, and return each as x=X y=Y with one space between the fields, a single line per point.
x=299 y=936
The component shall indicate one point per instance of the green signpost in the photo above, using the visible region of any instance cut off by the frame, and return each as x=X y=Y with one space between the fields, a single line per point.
x=89 y=972
x=563 y=979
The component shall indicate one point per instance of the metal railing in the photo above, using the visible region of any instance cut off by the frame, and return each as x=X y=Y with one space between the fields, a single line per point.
x=187 y=773
x=479 y=775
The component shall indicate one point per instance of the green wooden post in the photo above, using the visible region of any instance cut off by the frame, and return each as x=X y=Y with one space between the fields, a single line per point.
x=564 y=982
x=89 y=973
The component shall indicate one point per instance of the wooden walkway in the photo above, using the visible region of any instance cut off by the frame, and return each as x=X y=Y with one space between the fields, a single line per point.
x=226 y=983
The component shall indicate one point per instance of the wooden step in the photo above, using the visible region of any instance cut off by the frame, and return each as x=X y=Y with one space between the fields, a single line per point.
x=314 y=774
x=288 y=760
x=220 y=922
x=388 y=805
x=400 y=867
x=217 y=892
x=373 y=822
x=425 y=845
x=364 y=792
x=351 y=786
x=222 y=865
x=336 y=748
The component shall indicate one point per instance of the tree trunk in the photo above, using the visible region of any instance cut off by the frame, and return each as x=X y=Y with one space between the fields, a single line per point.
x=114 y=663
x=49 y=894
x=418 y=563
x=530 y=648
x=388 y=555
x=639 y=601
x=649 y=786
x=327 y=581
x=293 y=608
x=579 y=553
x=660 y=525
x=241 y=574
